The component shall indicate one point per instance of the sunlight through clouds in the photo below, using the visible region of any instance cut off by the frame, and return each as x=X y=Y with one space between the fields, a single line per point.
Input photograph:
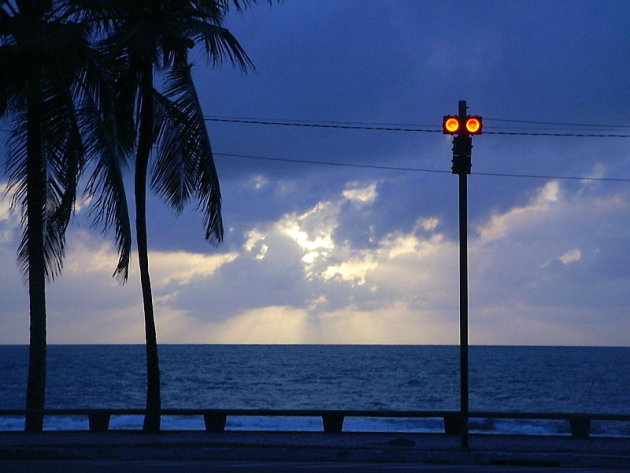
x=255 y=244
x=267 y=325
x=313 y=232
x=353 y=270
x=294 y=280
x=387 y=325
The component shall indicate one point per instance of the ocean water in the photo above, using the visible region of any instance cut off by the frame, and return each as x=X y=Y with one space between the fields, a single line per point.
x=522 y=379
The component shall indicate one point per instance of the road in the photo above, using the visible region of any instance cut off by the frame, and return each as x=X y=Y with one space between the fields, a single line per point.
x=251 y=466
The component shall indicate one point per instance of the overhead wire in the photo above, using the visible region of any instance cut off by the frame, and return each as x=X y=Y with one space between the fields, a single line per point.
x=305 y=124
x=550 y=128
x=372 y=126
x=537 y=122
x=330 y=163
x=507 y=120
x=412 y=169
x=404 y=128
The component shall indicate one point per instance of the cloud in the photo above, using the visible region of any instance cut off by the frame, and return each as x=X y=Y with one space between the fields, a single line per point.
x=360 y=194
x=511 y=284
x=258 y=181
x=501 y=225
x=296 y=280
x=353 y=270
x=353 y=254
x=527 y=273
x=571 y=256
x=179 y=267
x=312 y=231
x=5 y=204
x=9 y=219
x=86 y=305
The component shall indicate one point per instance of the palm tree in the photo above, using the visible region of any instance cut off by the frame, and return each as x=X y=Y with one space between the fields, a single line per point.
x=54 y=88
x=145 y=37
x=41 y=60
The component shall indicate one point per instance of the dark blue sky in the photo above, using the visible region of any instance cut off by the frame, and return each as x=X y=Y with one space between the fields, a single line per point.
x=324 y=254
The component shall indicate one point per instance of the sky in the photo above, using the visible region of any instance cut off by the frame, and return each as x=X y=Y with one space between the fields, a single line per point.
x=368 y=253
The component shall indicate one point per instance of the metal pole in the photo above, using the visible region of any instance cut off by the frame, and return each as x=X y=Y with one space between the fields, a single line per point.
x=463 y=306
x=461 y=165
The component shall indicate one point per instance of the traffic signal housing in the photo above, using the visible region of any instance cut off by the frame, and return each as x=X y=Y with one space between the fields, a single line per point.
x=455 y=125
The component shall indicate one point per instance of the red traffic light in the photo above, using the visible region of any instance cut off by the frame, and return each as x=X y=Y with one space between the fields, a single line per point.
x=474 y=125
x=452 y=124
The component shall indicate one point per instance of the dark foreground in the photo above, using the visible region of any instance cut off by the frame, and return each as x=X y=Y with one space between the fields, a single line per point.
x=252 y=466
x=260 y=452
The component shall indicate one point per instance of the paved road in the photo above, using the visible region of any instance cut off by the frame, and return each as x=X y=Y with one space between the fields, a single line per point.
x=285 y=452
x=169 y=466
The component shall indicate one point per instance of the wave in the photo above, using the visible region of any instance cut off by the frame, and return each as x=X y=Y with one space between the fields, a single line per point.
x=314 y=424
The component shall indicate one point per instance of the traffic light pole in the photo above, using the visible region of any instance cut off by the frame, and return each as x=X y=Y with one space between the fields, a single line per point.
x=462 y=148
x=463 y=306
x=462 y=126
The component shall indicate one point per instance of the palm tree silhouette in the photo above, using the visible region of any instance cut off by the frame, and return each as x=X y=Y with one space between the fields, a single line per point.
x=142 y=37
x=46 y=63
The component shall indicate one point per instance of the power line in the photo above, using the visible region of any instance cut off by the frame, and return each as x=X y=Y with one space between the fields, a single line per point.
x=330 y=163
x=398 y=124
x=536 y=122
x=409 y=169
x=574 y=135
x=423 y=128
x=318 y=125
x=344 y=126
x=539 y=176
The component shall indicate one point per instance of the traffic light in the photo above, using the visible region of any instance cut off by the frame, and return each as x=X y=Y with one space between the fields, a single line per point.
x=450 y=125
x=474 y=125
x=469 y=125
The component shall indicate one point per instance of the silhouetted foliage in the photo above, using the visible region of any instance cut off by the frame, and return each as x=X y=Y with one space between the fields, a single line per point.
x=49 y=83
x=140 y=38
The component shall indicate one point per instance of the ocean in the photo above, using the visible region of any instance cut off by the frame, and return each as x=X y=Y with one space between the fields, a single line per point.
x=375 y=377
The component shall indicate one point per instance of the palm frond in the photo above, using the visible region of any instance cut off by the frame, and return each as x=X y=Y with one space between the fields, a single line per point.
x=185 y=166
x=225 y=5
x=50 y=215
x=219 y=44
x=17 y=160
x=109 y=140
x=110 y=209
x=174 y=161
x=46 y=69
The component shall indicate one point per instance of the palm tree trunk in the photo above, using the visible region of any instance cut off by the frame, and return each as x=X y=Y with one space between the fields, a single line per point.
x=145 y=141
x=36 y=195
